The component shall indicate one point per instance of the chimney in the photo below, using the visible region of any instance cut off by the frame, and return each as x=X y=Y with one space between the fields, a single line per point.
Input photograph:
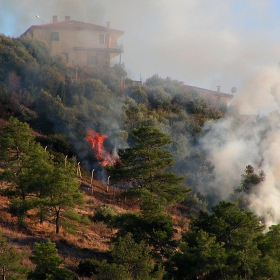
x=218 y=89
x=108 y=24
x=67 y=18
x=54 y=18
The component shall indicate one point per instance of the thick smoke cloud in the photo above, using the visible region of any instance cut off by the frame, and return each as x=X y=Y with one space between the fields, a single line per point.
x=232 y=144
x=202 y=43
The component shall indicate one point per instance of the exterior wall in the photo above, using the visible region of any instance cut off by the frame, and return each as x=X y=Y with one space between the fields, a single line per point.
x=77 y=44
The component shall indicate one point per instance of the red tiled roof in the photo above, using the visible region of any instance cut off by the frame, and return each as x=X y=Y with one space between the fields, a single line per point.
x=74 y=24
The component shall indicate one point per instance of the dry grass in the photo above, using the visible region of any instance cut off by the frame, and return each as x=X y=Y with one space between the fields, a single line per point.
x=90 y=241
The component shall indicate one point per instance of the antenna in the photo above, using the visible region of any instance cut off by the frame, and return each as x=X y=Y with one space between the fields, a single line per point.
x=233 y=90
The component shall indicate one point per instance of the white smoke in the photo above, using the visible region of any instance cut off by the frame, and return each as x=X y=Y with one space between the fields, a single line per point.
x=252 y=138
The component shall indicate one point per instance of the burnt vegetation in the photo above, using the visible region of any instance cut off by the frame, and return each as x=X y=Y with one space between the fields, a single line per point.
x=150 y=220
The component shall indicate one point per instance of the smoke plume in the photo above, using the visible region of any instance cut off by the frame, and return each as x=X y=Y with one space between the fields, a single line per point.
x=252 y=138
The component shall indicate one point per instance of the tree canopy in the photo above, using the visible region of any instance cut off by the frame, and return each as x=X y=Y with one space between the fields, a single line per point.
x=39 y=182
x=47 y=263
x=144 y=166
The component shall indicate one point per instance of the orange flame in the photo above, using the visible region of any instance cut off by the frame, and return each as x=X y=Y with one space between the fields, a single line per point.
x=96 y=140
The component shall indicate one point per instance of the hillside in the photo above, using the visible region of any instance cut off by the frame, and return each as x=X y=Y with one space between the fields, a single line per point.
x=41 y=91
x=114 y=175
x=88 y=242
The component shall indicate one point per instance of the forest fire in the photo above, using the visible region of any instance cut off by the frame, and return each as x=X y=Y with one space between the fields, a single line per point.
x=103 y=156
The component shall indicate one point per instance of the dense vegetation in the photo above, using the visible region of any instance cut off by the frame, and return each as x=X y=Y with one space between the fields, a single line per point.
x=154 y=128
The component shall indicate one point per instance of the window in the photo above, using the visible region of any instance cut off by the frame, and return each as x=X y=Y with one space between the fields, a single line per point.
x=55 y=36
x=106 y=39
x=92 y=60
x=101 y=38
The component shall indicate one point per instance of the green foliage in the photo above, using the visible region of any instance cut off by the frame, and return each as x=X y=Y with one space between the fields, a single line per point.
x=270 y=243
x=45 y=257
x=129 y=222
x=138 y=94
x=10 y=260
x=156 y=80
x=143 y=166
x=15 y=141
x=71 y=220
x=250 y=178
x=158 y=98
x=228 y=218
x=37 y=48
x=38 y=181
x=198 y=171
x=111 y=271
x=119 y=70
x=135 y=115
x=131 y=260
x=26 y=64
x=95 y=90
x=113 y=77
x=105 y=213
x=57 y=143
x=89 y=267
x=224 y=244
x=194 y=203
x=62 y=192
x=47 y=263
x=61 y=92
x=249 y=182
x=152 y=226
x=13 y=57
x=135 y=257
x=20 y=157
x=198 y=260
x=53 y=117
x=270 y=253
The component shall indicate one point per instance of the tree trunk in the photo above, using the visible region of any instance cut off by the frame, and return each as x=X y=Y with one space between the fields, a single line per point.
x=57 y=222
x=3 y=275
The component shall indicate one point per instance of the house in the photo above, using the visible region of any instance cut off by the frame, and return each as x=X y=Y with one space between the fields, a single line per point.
x=216 y=95
x=82 y=44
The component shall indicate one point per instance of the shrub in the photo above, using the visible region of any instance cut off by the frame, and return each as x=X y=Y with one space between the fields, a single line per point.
x=89 y=267
x=105 y=213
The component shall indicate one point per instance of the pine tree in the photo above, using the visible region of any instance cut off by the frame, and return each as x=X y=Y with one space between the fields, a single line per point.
x=144 y=166
x=10 y=262
x=47 y=263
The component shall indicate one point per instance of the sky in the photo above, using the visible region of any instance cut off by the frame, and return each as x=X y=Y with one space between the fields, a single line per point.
x=204 y=43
